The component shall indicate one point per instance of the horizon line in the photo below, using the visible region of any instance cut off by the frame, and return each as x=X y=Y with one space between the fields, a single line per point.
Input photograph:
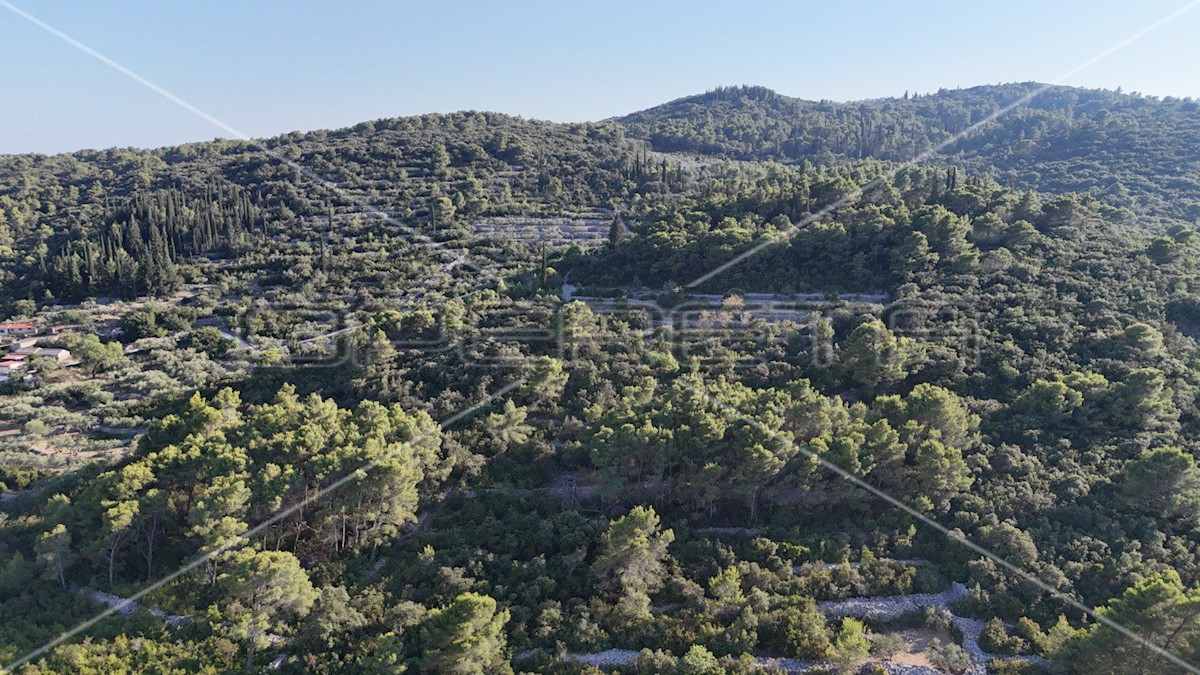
x=911 y=95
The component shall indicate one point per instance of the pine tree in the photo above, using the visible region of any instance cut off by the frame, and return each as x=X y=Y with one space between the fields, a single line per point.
x=616 y=231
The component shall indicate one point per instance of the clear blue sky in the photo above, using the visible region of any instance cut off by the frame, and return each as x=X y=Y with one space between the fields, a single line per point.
x=267 y=67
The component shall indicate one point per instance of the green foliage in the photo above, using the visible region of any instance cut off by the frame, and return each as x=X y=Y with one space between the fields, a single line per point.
x=1159 y=610
x=210 y=341
x=887 y=645
x=141 y=323
x=850 y=646
x=699 y=661
x=14 y=574
x=996 y=639
x=465 y=637
x=265 y=589
x=141 y=654
x=726 y=590
x=874 y=357
x=1163 y=482
x=948 y=657
x=795 y=628
x=54 y=554
x=95 y=355
x=631 y=563
x=332 y=617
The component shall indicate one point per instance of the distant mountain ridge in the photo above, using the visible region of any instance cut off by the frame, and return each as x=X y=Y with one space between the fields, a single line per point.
x=1129 y=150
x=1136 y=152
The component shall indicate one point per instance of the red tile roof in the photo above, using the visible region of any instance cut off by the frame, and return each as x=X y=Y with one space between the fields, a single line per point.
x=17 y=326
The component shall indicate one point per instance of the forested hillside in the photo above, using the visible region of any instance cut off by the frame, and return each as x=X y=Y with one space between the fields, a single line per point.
x=442 y=394
x=1132 y=151
x=117 y=222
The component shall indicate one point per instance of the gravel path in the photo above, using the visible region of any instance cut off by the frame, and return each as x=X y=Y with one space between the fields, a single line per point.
x=611 y=658
x=886 y=608
x=911 y=562
x=229 y=335
x=881 y=608
x=608 y=657
x=971 y=629
x=126 y=607
x=731 y=531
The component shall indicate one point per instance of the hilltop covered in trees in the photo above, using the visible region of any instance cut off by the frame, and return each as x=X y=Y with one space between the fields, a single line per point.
x=119 y=222
x=1132 y=151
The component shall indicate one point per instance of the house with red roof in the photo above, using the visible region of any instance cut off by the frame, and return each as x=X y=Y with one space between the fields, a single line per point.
x=20 y=329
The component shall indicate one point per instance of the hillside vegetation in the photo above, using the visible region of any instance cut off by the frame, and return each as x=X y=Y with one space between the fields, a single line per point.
x=441 y=394
x=1132 y=151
